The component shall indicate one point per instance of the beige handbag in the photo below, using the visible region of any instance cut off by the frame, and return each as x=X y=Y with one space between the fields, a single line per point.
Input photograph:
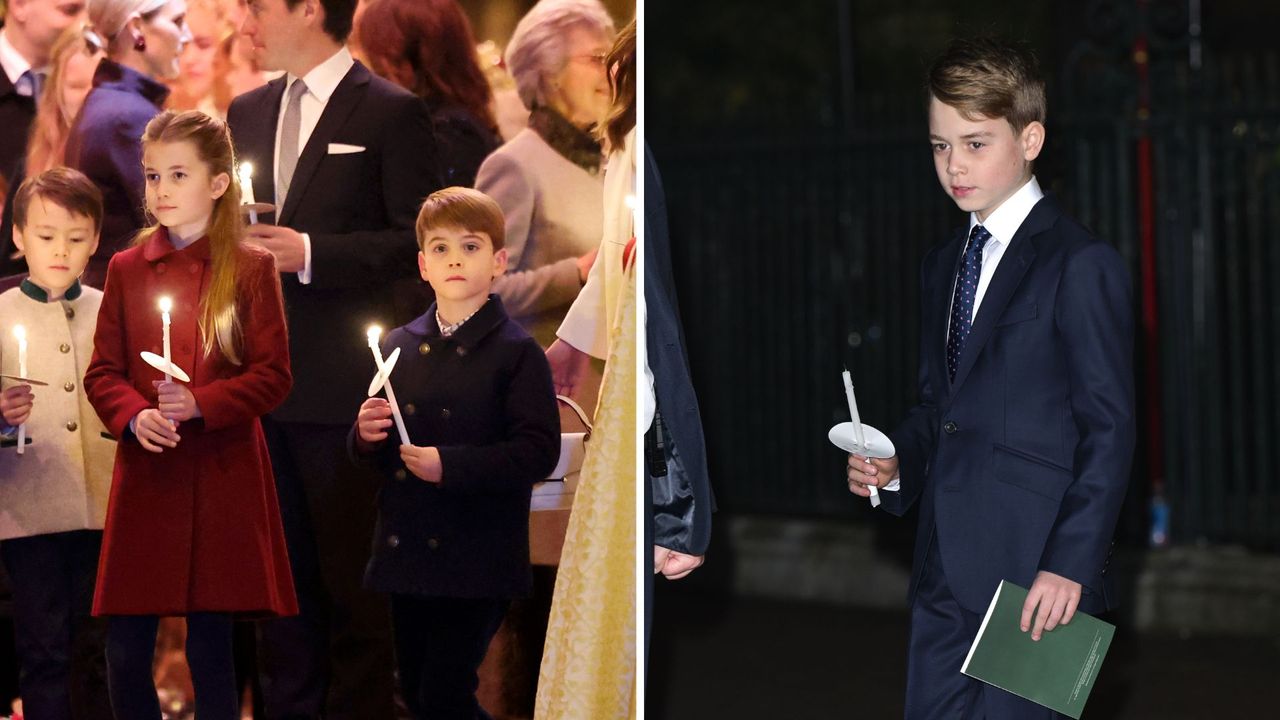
x=573 y=446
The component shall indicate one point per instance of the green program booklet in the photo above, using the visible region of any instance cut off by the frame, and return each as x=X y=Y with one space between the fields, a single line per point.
x=1057 y=672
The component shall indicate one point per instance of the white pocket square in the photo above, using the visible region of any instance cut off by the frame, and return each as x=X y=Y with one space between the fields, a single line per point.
x=344 y=149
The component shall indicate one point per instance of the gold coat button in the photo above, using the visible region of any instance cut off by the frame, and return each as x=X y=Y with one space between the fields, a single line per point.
x=400 y=474
x=410 y=409
x=193 y=269
x=71 y=313
x=69 y=387
x=433 y=543
x=424 y=348
x=71 y=425
x=393 y=541
x=462 y=351
x=445 y=413
x=64 y=348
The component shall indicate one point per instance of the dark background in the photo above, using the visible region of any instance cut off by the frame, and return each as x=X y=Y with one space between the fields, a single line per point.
x=792 y=140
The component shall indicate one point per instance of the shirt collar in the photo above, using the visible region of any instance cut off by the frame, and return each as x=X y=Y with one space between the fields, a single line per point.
x=11 y=60
x=1005 y=221
x=39 y=294
x=485 y=320
x=324 y=78
x=158 y=246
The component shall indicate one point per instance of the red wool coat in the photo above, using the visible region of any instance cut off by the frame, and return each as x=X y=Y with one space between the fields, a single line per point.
x=197 y=527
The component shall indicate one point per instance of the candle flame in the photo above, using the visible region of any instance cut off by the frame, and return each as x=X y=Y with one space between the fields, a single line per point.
x=246 y=171
x=20 y=332
x=165 y=304
x=373 y=332
x=630 y=201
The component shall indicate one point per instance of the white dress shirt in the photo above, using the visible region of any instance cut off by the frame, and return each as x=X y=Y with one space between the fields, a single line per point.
x=11 y=60
x=321 y=82
x=1002 y=224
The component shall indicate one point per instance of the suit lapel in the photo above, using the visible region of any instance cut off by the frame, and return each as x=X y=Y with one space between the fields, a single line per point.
x=346 y=97
x=947 y=263
x=1013 y=267
x=260 y=143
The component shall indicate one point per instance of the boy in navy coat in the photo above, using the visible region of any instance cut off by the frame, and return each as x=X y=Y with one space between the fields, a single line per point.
x=1020 y=448
x=452 y=539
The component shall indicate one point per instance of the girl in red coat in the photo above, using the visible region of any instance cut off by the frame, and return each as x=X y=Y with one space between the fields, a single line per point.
x=193 y=526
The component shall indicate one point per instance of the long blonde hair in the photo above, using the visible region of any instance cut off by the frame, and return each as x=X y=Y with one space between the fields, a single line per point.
x=219 y=321
x=47 y=147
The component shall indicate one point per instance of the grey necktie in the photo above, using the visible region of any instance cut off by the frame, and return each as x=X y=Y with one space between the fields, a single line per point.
x=290 y=129
x=28 y=84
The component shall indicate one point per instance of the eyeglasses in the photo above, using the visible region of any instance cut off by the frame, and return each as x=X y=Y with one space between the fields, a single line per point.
x=593 y=58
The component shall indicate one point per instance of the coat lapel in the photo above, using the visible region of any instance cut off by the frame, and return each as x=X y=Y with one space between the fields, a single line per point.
x=346 y=97
x=947 y=263
x=1013 y=267
x=260 y=143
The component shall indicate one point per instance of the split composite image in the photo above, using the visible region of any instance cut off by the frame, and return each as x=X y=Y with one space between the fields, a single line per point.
x=384 y=359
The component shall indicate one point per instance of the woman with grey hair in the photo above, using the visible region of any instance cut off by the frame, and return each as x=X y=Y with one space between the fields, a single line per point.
x=548 y=177
x=143 y=39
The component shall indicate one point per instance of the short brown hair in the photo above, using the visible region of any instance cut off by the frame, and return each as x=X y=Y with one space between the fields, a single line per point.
x=68 y=189
x=462 y=208
x=990 y=78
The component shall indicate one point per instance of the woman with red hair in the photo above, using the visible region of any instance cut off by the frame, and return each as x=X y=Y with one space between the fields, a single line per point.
x=426 y=47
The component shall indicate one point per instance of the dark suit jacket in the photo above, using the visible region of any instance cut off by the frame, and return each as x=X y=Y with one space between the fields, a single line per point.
x=1021 y=463
x=359 y=210
x=483 y=396
x=682 y=501
x=16 y=114
x=106 y=144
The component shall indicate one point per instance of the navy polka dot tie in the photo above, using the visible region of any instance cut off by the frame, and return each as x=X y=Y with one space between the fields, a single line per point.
x=962 y=300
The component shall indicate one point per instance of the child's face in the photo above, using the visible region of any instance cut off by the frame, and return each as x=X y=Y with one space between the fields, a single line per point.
x=180 y=191
x=980 y=163
x=57 y=244
x=460 y=264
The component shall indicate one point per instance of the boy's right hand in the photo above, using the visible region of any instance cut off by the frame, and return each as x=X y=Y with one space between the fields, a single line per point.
x=154 y=431
x=865 y=474
x=374 y=420
x=15 y=404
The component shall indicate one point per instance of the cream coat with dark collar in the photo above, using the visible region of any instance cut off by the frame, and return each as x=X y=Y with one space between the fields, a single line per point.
x=63 y=480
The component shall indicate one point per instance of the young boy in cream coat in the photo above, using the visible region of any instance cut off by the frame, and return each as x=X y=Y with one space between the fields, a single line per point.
x=53 y=496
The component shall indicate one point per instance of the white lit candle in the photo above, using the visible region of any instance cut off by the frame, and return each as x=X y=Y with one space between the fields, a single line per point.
x=165 y=306
x=374 y=333
x=246 y=190
x=20 y=333
x=858 y=437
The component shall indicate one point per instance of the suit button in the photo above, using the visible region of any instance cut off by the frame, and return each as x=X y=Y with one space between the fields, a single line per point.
x=64 y=348
x=445 y=413
x=950 y=428
x=461 y=351
x=71 y=425
x=160 y=268
x=400 y=474
x=71 y=313
x=410 y=409
x=433 y=543
x=393 y=541
x=424 y=348
x=69 y=387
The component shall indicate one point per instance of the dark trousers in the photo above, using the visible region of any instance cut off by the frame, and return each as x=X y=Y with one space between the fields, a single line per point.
x=131 y=649
x=61 y=647
x=335 y=659
x=440 y=643
x=940 y=636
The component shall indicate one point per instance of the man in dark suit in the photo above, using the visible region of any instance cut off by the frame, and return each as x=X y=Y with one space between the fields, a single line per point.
x=1020 y=448
x=678 y=488
x=347 y=158
x=30 y=29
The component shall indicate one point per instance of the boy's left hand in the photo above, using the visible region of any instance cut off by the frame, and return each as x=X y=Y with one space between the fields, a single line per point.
x=175 y=401
x=423 y=462
x=1057 y=597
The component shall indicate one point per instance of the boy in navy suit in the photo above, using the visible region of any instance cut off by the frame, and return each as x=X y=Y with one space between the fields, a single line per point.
x=1020 y=447
x=452 y=540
